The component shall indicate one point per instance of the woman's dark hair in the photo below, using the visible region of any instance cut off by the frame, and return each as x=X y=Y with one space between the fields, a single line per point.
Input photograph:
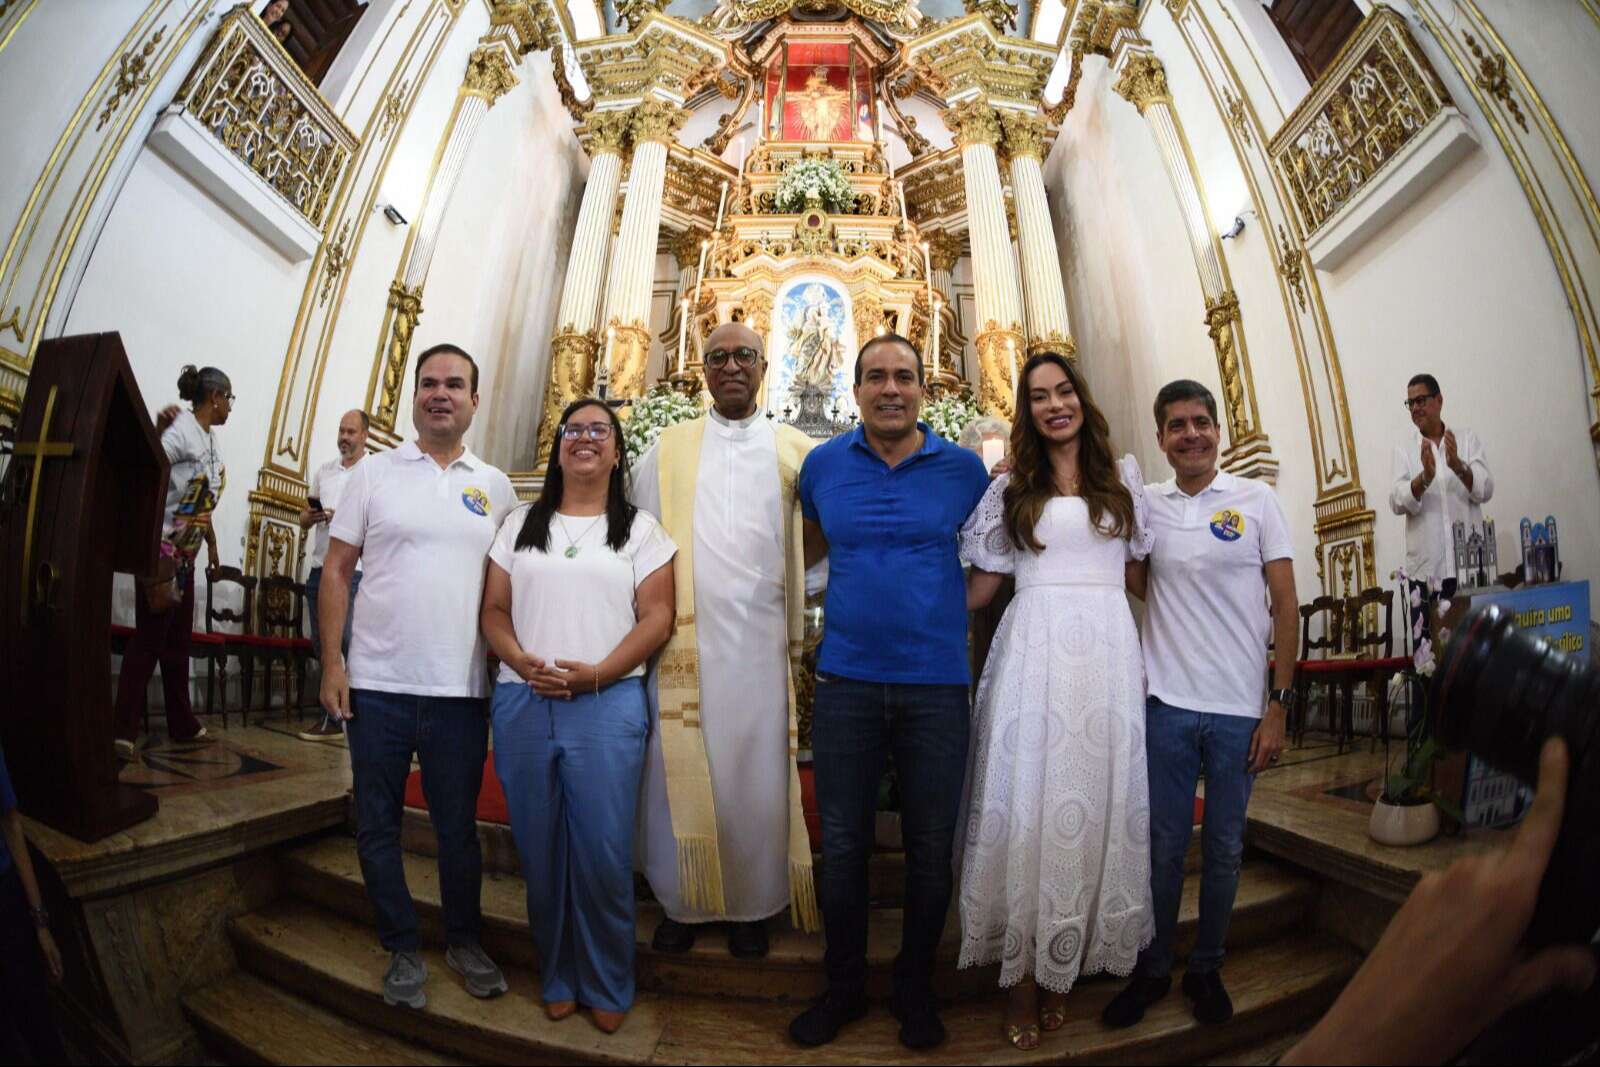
x=197 y=385
x=535 y=532
x=1033 y=484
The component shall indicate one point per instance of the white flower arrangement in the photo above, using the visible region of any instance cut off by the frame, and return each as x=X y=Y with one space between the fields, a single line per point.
x=661 y=407
x=820 y=179
x=951 y=414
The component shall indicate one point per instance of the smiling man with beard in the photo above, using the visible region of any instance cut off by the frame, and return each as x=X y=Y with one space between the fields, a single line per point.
x=420 y=518
x=884 y=504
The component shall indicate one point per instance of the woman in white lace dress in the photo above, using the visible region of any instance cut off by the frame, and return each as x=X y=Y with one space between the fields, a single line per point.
x=1055 y=876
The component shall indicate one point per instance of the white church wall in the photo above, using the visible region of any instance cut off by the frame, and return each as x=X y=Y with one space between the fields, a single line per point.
x=1460 y=284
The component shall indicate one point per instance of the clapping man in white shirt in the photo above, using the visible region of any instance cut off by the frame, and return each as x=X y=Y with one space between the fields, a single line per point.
x=1441 y=477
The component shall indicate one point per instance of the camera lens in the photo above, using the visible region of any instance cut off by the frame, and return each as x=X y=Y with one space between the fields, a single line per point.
x=1499 y=694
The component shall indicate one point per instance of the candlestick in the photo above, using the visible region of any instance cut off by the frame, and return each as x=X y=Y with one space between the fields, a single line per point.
x=683 y=330
x=937 y=304
x=722 y=202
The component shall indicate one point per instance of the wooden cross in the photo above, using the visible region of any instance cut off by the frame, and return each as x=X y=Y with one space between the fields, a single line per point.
x=40 y=450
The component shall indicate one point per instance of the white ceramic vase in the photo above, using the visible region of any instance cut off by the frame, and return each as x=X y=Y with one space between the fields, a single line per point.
x=1403 y=824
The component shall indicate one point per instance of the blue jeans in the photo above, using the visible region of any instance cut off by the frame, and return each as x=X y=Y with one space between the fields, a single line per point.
x=854 y=727
x=1179 y=744
x=571 y=772
x=313 y=587
x=450 y=737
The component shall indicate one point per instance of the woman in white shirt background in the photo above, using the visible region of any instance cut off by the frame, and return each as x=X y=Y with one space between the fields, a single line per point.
x=578 y=594
x=164 y=604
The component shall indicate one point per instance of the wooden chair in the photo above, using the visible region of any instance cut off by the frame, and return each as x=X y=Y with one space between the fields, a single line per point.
x=280 y=638
x=227 y=633
x=1371 y=614
x=1322 y=657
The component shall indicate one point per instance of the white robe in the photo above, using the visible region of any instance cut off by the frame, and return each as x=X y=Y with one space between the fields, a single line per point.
x=744 y=710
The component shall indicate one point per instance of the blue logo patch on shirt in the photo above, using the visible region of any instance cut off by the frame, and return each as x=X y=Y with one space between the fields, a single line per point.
x=1227 y=525
x=476 y=500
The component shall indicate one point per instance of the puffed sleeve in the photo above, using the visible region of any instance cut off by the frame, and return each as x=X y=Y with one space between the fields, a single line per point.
x=1141 y=540
x=984 y=541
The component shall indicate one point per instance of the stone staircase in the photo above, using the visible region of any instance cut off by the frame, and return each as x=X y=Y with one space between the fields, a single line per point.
x=309 y=966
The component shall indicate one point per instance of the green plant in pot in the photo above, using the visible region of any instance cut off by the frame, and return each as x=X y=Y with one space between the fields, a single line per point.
x=1407 y=809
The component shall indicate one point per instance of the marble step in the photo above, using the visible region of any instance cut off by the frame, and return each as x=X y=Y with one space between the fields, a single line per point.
x=246 y=1020
x=336 y=962
x=1271 y=900
x=885 y=872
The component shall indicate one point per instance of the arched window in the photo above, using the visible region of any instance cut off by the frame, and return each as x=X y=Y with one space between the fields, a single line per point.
x=1314 y=30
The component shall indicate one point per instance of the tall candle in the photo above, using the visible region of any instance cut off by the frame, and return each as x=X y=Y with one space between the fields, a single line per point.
x=683 y=332
x=937 y=303
x=722 y=202
x=900 y=187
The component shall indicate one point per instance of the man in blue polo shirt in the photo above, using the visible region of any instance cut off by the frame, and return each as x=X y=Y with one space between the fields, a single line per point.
x=884 y=503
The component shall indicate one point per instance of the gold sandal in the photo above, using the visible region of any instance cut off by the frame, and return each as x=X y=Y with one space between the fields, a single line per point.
x=1052 y=1017
x=1024 y=1037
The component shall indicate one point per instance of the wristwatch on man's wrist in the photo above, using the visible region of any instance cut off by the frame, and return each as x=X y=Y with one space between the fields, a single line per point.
x=1285 y=697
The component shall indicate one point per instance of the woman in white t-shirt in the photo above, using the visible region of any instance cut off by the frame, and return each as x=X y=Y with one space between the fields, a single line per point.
x=578 y=594
x=164 y=606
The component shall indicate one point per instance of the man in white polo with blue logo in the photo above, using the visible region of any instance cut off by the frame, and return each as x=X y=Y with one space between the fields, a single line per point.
x=420 y=518
x=1220 y=584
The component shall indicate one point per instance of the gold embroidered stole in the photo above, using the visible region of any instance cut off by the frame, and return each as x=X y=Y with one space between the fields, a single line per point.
x=688 y=771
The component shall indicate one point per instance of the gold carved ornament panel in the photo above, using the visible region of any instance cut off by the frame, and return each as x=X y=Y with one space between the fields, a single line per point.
x=248 y=92
x=1379 y=95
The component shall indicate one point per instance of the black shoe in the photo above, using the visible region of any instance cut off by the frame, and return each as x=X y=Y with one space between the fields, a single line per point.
x=1128 y=1006
x=920 y=1027
x=673 y=936
x=747 y=941
x=1211 y=1001
x=820 y=1023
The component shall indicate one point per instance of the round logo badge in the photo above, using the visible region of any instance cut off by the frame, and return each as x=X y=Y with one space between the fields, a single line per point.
x=476 y=500
x=1227 y=525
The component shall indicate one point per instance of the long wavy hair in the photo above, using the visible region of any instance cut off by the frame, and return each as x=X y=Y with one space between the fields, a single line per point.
x=1032 y=483
x=535 y=532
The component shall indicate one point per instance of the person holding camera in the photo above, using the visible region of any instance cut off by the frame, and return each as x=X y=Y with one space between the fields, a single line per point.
x=327 y=485
x=164 y=606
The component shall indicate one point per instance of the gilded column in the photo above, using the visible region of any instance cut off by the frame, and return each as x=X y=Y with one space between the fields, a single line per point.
x=944 y=250
x=653 y=126
x=572 y=348
x=1142 y=80
x=1045 y=296
x=489 y=76
x=994 y=272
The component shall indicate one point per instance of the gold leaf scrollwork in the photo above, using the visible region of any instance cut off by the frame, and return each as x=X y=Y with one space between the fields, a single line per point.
x=1001 y=14
x=393 y=109
x=1236 y=115
x=944 y=250
x=999 y=356
x=1292 y=266
x=489 y=74
x=1222 y=323
x=655 y=120
x=334 y=262
x=1024 y=135
x=973 y=122
x=13 y=322
x=1143 y=81
x=406 y=305
x=1492 y=79
x=1379 y=96
x=608 y=132
x=571 y=376
x=133 y=74
x=576 y=108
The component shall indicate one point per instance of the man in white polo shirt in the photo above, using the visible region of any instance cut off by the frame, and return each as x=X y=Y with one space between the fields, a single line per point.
x=327 y=487
x=421 y=519
x=1220 y=584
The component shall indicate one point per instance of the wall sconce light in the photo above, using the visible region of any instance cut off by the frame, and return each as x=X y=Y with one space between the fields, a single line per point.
x=392 y=213
x=1238 y=225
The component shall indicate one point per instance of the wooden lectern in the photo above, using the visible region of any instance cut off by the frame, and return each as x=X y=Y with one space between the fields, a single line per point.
x=82 y=497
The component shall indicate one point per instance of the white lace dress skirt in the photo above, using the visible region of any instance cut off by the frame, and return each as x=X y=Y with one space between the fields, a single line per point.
x=1055 y=874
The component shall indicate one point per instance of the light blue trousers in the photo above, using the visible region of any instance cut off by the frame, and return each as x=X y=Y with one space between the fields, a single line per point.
x=571 y=771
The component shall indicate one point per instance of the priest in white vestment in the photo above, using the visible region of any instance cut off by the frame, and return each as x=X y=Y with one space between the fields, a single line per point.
x=721 y=830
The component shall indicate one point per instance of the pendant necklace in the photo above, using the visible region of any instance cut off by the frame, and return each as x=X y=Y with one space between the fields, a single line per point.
x=572 y=543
